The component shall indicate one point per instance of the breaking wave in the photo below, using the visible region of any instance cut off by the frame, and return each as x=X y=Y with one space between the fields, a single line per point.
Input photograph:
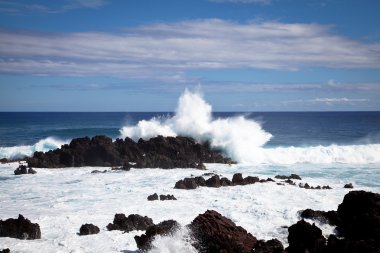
x=44 y=145
x=241 y=138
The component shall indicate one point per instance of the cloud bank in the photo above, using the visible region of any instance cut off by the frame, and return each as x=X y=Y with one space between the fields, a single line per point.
x=167 y=50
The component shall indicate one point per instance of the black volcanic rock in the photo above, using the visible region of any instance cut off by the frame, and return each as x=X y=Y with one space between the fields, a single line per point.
x=20 y=228
x=271 y=246
x=88 y=229
x=360 y=216
x=213 y=232
x=157 y=152
x=292 y=176
x=130 y=223
x=213 y=181
x=22 y=169
x=167 y=197
x=348 y=186
x=163 y=228
x=5 y=251
x=153 y=197
x=330 y=217
x=304 y=237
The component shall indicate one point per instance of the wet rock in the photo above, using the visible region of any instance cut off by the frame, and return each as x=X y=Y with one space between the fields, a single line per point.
x=5 y=251
x=200 y=181
x=289 y=181
x=167 y=197
x=22 y=169
x=130 y=223
x=349 y=186
x=88 y=229
x=20 y=228
x=330 y=217
x=164 y=228
x=237 y=179
x=153 y=197
x=271 y=246
x=360 y=216
x=157 y=152
x=213 y=232
x=270 y=179
x=98 y=171
x=304 y=237
x=292 y=176
x=250 y=180
x=225 y=182
x=335 y=245
x=187 y=184
x=4 y=160
x=213 y=181
x=31 y=171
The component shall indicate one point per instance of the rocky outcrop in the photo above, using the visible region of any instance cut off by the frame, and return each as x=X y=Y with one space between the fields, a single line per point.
x=162 y=197
x=213 y=232
x=167 y=227
x=5 y=251
x=360 y=216
x=88 y=229
x=292 y=176
x=304 y=237
x=158 y=152
x=215 y=181
x=330 y=217
x=271 y=246
x=130 y=223
x=23 y=169
x=20 y=228
x=348 y=186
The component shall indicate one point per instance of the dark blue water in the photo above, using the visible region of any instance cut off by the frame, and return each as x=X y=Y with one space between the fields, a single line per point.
x=288 y=128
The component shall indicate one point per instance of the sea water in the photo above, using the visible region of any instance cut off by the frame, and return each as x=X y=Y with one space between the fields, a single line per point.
x=324 y=148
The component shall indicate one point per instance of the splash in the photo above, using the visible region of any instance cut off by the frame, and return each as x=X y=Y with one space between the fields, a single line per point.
x=243 y=139
x=237 y=136
x=43 y=145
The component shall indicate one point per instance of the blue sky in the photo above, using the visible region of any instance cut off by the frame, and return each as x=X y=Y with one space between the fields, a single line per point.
x=139 y=55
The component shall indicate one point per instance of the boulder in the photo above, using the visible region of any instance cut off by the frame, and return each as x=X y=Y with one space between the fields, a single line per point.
x=167 y=197
x=330 y=217
x=187 y=183
x=153 y=197
x=360 y=216
x=348 y=186
x=237 y=179
x=130 y=223
x=271 y=246
x=88 y=229
x=213 y=232
x=292 y=176
x=22 y=169
x=20 y=228
x=213 y=181
x=164 y=228
x=304 y=237
x=5 y=251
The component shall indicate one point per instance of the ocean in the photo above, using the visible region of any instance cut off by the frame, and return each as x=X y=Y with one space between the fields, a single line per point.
x=324 y=148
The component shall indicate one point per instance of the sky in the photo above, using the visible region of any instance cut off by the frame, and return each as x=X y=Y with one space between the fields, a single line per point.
x=140 y=55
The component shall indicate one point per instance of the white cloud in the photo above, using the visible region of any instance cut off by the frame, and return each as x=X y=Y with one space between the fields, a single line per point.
x=167 y=51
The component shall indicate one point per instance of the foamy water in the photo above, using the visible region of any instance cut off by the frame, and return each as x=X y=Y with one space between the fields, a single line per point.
x=61 y=200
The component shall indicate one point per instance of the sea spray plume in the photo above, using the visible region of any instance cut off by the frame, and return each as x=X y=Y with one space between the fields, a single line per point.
x=239 y=137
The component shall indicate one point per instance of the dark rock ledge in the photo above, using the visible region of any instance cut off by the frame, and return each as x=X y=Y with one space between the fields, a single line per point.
x=20 y=228
x=158 y=152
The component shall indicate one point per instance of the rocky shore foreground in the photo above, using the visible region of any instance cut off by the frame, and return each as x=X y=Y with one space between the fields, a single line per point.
x=357 y=222
x=158 y=152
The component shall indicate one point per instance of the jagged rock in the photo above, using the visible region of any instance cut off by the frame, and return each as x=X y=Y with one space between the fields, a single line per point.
x=187 y=184
x=271 y=246
x=304 y=237
x=349 y=186
x=360 y=215
x=5 y=251
x=88 y=229
x=153 y=197
x=31 y=171
x=167 y=197
x=330 y=217
x=335 y=245
x=157 y=152
x=289 y=181
x=130 y=223
x=213 y=232
x=270 y=179
x=163 y=228
x=200 y=181
x=22 y=169
x=225 y=182
x=213 y=181
x=20 y=228
x=292 y=176
x=237 y=179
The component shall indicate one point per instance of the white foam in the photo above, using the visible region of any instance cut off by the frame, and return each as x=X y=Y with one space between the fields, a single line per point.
x=243 y=139
x=61 y=200
x=43 y=145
